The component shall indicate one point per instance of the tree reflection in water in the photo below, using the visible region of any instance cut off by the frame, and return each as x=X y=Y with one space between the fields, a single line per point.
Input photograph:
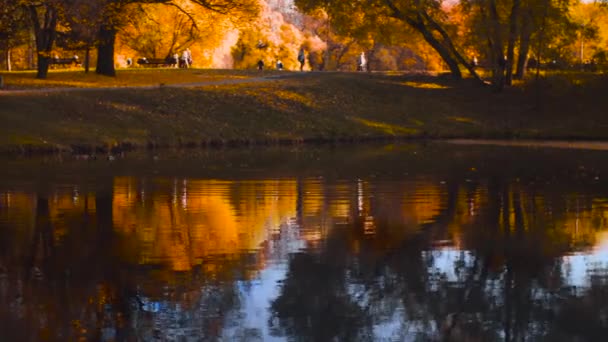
x=505 y=280
x=444 y=251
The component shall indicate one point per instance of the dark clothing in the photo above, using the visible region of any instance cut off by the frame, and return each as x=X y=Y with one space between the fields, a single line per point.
x=301 y=59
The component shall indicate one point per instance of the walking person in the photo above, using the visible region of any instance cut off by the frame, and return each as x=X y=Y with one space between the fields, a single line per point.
x=361 y=62
x=176 y=60
x=185 y=60
x=301 y=58
x=189 y=56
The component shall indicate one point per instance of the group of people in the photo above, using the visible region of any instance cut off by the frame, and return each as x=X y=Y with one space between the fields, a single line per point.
x=185 y=61
x=176 y=61
x=361 y=61
x=279 y=64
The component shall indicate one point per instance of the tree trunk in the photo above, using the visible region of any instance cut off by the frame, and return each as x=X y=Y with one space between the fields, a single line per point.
x=450 y=46
x=524 y=46
x=9 y=67
x=105 y=51
x=42 y=240
x=87 y=59
x=496 y=47
x=443 y=51
x=30 y=52
x=327 y=54
x=45 y=33
x=42 y=65
x=419 y=25
x=511 y=44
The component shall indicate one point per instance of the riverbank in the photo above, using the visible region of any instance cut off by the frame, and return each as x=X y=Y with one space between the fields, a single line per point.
x=82 y=113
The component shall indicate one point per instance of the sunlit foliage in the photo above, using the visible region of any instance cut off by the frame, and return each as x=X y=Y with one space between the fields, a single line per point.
x=496 y=38
x=159 y=31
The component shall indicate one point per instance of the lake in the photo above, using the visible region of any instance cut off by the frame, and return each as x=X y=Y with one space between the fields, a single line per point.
x=404 y=242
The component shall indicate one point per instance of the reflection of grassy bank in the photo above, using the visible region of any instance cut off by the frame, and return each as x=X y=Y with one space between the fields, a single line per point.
x=311 y=107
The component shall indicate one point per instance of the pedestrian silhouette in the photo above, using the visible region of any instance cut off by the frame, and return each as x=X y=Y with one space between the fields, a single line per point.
x=301 y=58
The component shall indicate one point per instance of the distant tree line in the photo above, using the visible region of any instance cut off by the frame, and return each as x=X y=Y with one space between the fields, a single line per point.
x=501 y=35
x=502 y=38
x=90 y=24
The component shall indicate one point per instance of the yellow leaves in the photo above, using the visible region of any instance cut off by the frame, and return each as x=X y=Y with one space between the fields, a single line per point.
x=463 y=119
x=387 y=128
x=204 y=219
x=294 y=97
x=124 y=107
x=124 y=78
x=425 y=85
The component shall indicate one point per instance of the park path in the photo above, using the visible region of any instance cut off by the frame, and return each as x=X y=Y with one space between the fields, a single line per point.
x=226 y=81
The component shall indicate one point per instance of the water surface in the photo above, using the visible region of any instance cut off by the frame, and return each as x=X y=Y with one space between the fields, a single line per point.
x=368 y=243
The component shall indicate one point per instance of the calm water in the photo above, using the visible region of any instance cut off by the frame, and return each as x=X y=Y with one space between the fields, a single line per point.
x=375 y=243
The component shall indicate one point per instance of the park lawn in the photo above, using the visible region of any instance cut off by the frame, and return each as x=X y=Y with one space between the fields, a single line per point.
x=308 y=107
x=72 y=78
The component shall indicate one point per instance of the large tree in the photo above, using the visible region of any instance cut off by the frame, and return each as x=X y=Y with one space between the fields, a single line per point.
x=510 y=29
x=82 y=21
x=159 y=34
x=507 y=29
x=12 y=28
x=44 y=16
x=427 y=17
x=112 y=19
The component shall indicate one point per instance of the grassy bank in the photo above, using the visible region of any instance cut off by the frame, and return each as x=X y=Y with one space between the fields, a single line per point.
x=295 y=108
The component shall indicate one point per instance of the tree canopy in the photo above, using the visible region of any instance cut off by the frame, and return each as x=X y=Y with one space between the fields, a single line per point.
x=495 y=41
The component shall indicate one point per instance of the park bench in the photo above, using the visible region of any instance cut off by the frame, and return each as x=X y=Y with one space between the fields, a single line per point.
x=157 y=61
x=73 y=61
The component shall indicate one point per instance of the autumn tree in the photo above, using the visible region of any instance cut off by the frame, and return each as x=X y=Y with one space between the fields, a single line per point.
x=44 y=16
x=13 y=28
x=389 y=44
x=345 y=39
x=427 y=18
x=590 y=23
x=159 y=33
x=272 y=37
x=112 y=19
x=82 y=24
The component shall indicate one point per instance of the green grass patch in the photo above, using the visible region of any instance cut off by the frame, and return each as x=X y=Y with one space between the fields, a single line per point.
x=301 y=107
x=124 y=77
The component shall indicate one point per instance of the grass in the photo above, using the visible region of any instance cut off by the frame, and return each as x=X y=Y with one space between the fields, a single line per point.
x=304 y=107
x=125 y=77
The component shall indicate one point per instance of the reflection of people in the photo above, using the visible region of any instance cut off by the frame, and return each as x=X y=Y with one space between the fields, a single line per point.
x=301 y=58
x=260 y=65
x=279 y=65
x=361 y=62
